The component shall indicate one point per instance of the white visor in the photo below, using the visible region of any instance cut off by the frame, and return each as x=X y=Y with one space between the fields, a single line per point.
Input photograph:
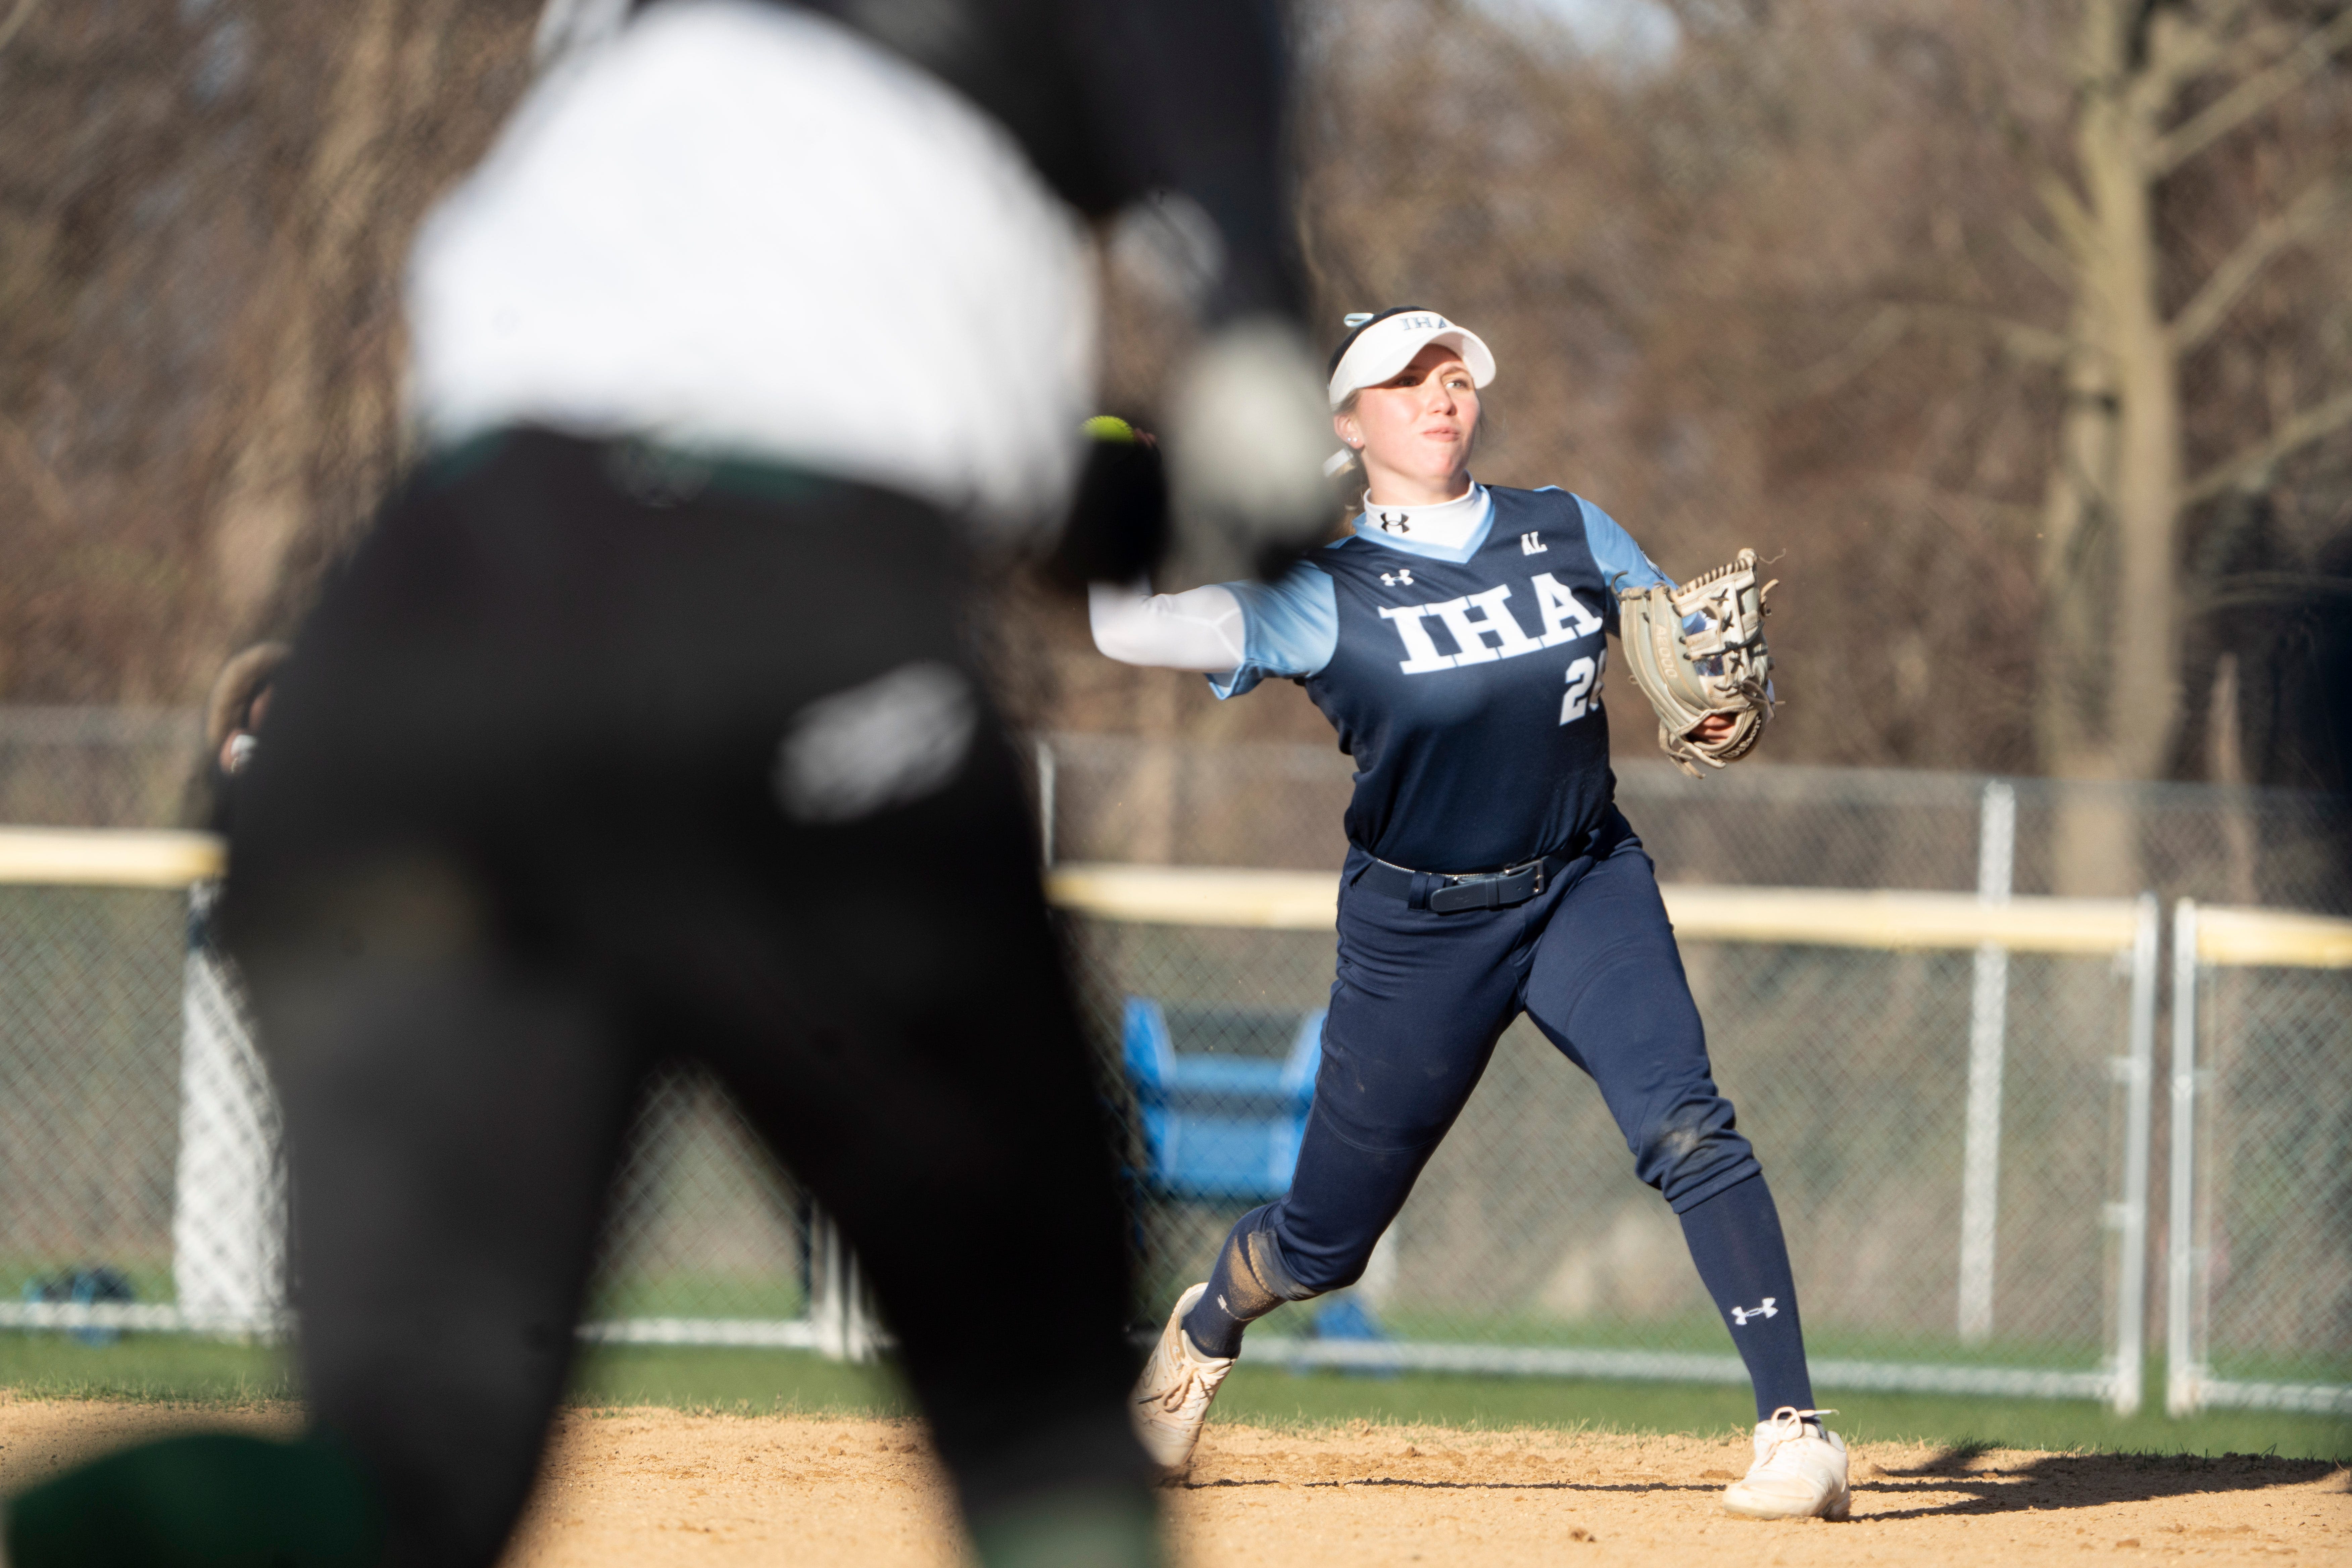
x=1387 y=345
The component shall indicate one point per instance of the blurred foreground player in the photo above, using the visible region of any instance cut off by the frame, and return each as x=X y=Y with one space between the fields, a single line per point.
x=642 y=727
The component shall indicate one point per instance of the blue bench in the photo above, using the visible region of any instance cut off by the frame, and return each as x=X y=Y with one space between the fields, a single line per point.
x=1220 y=1126
x=1225 y=1127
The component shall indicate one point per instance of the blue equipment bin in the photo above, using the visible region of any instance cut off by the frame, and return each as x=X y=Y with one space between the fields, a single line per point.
x=1220 y=1126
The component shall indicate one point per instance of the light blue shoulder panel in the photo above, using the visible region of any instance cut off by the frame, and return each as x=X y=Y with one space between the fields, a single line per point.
x=1289 y=626
x=1622 y=564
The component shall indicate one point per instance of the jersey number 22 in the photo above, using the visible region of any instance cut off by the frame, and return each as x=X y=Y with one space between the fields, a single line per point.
x=1583 y=687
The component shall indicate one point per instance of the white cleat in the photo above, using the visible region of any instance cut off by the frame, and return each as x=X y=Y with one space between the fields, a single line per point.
x=1172 y=1397
x=1798 y=1473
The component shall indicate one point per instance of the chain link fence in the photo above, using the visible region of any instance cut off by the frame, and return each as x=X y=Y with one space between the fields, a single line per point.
x=1949 y=1085
x=100 y=767
x=89 y=1095
x=2259 y=1267
x=1529 y=1247
x=1124 y=799
x=146 y=1181
x=143 y=1177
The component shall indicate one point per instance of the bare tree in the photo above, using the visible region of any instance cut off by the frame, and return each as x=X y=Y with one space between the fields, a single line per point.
x=202 y=224
x=2016 y=329
x=2156 y=86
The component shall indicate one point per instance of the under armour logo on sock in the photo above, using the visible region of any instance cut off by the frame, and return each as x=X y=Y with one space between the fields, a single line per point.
x=1739 y=1315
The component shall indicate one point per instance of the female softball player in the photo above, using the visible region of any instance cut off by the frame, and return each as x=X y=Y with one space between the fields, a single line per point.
x=1454 y=638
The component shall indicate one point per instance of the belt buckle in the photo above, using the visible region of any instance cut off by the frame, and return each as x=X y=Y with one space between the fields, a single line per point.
x=1478 y=888
x=1487 y=885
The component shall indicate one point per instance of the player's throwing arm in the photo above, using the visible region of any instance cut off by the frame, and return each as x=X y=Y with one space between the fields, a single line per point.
x=1457 y=636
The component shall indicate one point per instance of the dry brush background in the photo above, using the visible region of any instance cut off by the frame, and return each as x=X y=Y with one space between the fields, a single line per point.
x=2022 y=332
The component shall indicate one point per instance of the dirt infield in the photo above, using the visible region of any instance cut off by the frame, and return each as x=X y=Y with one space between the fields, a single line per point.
x=655 y=1488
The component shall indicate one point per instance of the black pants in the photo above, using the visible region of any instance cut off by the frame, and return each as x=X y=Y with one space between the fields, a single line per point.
x=588 y=764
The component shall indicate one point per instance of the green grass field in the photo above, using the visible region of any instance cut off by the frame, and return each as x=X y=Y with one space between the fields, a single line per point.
x=164 y=1368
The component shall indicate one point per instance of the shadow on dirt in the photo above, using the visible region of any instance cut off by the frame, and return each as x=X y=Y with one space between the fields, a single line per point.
x=2051 y=1482
x=1414 y=1483
x=2070 y=1480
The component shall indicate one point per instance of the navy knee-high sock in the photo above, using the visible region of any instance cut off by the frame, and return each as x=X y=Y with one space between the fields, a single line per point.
x=1248 y=1282
x=1735 y=1238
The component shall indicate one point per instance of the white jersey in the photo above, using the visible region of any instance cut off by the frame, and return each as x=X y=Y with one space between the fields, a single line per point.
x=742 y=229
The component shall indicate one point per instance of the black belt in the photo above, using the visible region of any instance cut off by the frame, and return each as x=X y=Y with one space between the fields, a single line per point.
x=1450 y=894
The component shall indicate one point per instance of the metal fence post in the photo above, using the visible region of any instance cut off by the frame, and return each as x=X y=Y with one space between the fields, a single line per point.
x=1045 y=801
x=1987 y=1030
x=228 y=1194
x=2138 y=1070
x=2183 y=1393
x=844 y=1331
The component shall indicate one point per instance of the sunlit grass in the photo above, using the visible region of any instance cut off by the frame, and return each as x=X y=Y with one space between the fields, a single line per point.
x=761 y=1381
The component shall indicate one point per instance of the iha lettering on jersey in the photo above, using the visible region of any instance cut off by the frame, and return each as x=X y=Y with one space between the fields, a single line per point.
x=1483 y=630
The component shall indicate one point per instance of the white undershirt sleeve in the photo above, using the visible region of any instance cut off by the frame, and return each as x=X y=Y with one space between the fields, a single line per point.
x=1198 y=629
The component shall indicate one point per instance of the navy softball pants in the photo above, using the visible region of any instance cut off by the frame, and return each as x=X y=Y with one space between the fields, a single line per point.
x=1419 y=1000
x=1422 y=998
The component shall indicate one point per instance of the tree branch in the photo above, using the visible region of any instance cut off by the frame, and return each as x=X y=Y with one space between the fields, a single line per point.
x=2022 y=340
x=1885 y=327
x=2251 y=97
x=1825 y=376
x=2268 y=590
x=2262 y=45
x=2066 y=210
x=17 y=20
x=2035 y=345
x=2316 y=208
x=2049 y=258
x=2314 y=423
x=2182 y=48
x=1927 y=493
x=49 y=491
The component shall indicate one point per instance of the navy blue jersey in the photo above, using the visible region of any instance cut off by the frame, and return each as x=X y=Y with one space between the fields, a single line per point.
x=1465 y=683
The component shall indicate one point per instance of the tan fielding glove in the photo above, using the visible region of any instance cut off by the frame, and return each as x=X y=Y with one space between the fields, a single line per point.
x=1719 y=665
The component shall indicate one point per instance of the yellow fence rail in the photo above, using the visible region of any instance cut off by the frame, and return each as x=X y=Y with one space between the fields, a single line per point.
x=107 y=858
x=1828 y=917
x=1307 y=901
x=2239 y=938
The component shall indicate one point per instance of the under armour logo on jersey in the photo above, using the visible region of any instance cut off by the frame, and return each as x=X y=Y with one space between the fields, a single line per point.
x=1531 y=544
x=1403 y=574
x=1739 y=1315
x=1475 y=618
